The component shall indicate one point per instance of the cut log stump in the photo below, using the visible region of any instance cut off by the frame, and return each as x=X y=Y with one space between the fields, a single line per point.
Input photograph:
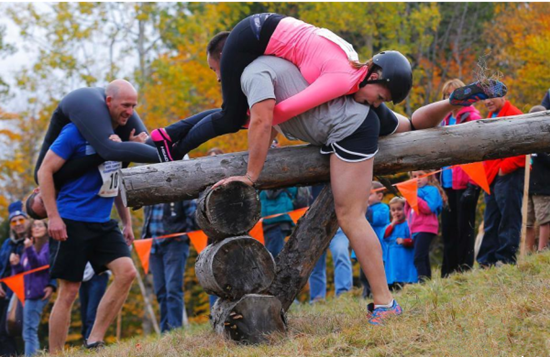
x=235 y=267
x=228 y=211
x=250 y=320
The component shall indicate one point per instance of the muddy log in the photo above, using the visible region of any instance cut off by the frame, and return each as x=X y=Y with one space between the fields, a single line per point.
x=235 y=267
x=250 y=320
x=302 y=165
x=228 y=211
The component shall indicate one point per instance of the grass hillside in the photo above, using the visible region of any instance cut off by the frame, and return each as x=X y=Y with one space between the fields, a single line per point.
x=496 y=312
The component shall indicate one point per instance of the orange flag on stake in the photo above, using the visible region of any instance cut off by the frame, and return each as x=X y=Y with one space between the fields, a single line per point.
x=476 y=171
x=143 y=250
x=409 y=190
x=257 y=232
x=17 y=284
x=297 y=214
x=199 y=240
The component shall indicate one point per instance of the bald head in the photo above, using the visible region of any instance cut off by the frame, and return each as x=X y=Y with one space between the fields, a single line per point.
x=120 y=87
x=121 y=101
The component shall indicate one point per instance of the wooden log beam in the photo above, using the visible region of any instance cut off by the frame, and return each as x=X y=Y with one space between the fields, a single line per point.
x=303 y=165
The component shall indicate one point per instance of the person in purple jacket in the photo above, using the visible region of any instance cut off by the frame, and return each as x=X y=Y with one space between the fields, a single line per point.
x=38 y=286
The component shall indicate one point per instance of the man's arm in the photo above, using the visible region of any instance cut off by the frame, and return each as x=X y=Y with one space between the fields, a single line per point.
x=51 y=164
x=259 y=133
x=124 y=214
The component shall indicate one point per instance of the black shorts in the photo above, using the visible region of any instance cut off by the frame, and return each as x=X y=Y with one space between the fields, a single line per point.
x=359 y=146
x=388 y=120
x=97 y=243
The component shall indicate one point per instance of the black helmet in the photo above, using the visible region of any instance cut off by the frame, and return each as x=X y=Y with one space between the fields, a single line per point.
x=396 y=74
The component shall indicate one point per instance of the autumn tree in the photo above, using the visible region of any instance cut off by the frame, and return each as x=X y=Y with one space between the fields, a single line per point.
x=518 y=41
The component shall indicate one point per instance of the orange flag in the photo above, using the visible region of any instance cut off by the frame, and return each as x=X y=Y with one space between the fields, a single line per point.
x=143 y=250
x=17 y=284
x=199 y=240
x=409 y=190
x=297 y=214
x=257 y=232
x=476 y=171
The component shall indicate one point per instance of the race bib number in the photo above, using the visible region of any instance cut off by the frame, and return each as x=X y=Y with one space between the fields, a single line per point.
x=109 y=171
x=343 y=44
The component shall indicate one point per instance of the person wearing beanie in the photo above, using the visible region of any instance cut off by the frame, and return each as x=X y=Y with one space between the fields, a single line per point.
x=12 y=247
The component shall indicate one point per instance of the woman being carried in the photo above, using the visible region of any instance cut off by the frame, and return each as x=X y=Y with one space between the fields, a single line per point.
x=328 y=63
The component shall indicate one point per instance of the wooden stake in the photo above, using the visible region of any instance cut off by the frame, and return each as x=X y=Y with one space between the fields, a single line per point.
x=148 y=305
x=522 y=247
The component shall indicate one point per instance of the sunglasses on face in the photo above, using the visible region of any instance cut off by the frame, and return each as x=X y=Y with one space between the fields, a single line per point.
x=17 y=221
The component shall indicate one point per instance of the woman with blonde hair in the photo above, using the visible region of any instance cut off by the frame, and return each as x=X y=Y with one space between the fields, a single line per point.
x=458 y=218
x=39 y=286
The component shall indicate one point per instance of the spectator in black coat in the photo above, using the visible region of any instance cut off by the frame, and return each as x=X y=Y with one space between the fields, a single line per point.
x=539 y=197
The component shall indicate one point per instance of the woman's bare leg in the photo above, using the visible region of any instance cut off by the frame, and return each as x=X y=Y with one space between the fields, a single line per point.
x=351 y=185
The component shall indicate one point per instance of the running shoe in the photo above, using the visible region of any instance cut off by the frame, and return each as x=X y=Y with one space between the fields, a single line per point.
x=474 y=92
x=163 y=144
x=94 y=346
x=378 y=315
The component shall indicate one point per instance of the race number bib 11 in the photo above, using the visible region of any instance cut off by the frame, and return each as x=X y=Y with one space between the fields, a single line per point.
x=111 y=178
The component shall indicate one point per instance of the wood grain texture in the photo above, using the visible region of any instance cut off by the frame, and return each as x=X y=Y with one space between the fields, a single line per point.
x=227 y=211
x=235 y=267
x=250 y=320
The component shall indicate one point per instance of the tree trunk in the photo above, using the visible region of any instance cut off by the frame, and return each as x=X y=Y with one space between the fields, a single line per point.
x=235 y=267
x=249 y=320
x=303 y=165
x=305 y=246
x=227 y=211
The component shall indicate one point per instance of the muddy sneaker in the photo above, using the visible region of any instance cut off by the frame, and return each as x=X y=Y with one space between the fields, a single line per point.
x=163 y=143
x=378 y=315
x=94 y=346
x=474 y=92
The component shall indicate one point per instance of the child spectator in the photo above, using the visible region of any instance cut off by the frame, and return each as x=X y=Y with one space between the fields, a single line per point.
x=400 y=247
x=378 y=215
x=424 y=224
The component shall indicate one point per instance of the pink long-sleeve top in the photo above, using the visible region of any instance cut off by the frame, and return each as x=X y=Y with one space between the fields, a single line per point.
x=323 y=63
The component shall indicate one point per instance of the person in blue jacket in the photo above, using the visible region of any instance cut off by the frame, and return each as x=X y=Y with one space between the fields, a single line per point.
x=378 y=215
x=277 y=228
x=400 y=267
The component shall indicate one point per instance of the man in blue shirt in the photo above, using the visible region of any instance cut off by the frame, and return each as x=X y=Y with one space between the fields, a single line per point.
x=80 y=224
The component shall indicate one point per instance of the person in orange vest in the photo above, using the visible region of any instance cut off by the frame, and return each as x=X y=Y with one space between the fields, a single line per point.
x=503 y=206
